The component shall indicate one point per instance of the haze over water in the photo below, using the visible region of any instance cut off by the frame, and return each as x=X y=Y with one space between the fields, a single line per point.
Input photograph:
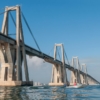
x=31 y=93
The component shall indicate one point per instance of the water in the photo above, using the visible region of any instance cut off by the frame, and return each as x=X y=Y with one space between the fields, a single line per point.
x=48 y=93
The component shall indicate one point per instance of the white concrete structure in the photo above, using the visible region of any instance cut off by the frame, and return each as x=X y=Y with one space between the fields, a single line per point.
x=13 y=54
x=84 y=79
x=75 y=74
x=11 y=58
x=59 y=76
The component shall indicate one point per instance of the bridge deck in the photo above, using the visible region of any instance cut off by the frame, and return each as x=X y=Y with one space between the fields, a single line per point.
x=33 y=52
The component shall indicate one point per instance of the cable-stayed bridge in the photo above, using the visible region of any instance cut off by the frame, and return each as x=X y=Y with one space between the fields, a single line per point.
x=13 y=53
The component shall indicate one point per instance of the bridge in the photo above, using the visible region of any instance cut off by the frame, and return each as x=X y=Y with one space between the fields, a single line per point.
x=13 y=53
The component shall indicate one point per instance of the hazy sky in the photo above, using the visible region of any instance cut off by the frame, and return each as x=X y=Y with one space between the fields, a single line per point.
x=75 y=23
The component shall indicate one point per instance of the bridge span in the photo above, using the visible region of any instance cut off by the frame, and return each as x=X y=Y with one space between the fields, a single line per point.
x=33 y=52
x=13 y=53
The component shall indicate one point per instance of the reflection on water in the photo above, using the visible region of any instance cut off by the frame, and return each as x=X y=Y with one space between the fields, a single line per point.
x=31 y=93
x=10 y=93
x=49 y=93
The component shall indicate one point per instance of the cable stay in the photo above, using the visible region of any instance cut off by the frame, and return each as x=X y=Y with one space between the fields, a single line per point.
x=58 y=54
x=13 y=19
x=66 y=57
x=14 y=24
x=30 y=31
x=2 y=12
x=51 y=51
x=27 y=27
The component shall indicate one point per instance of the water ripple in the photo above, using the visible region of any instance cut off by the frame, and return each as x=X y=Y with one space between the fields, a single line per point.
x=49 y=93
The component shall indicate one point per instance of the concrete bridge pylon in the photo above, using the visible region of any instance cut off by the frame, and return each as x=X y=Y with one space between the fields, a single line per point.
x=12 y=56
x=84 y=79
x=75 y=74
x=59 y=76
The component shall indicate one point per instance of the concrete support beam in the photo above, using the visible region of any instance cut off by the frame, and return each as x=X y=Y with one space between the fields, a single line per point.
x=18 y=43
x=84 y=76
x=73 y=77
x=4 y=29
x=16 y=83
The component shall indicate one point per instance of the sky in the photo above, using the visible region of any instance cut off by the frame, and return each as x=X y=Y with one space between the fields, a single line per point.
x=75 y=23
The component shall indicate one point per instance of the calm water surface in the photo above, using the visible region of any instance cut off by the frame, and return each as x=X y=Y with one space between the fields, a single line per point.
x=48 y=93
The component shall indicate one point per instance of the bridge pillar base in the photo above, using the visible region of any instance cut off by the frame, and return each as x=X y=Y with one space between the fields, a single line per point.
x=16 y=83
x=71 y=84
x=56 y=84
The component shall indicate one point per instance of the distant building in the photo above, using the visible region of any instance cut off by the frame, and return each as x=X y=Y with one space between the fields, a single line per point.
x=37 y=84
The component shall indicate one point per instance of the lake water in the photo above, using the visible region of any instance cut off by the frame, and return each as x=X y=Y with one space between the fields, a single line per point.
x=48 y=93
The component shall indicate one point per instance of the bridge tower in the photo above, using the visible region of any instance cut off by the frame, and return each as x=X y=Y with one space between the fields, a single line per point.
x=59 y=76
x=84 y=79
x=75 y=74
x=12 y=56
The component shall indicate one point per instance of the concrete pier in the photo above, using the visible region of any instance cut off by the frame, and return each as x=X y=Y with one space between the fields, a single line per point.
x=12 y=56
x=56 y=84
x=16 y=83
x=59 y=76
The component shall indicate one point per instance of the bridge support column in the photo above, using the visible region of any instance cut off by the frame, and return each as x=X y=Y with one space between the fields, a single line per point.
x=82 y=79
x=56 y=78
x=12 y=56
x=84 y=76
x=73 y=77
x=6 y=62
x=59 y=76
x=75 y=74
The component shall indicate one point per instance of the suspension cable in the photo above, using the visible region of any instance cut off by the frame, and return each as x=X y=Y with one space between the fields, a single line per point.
x=66 y=56
x=58 y=54
x=13 y=19
x=51 y=50
x=26 y=24
x=30 y=31
x=13 y=22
